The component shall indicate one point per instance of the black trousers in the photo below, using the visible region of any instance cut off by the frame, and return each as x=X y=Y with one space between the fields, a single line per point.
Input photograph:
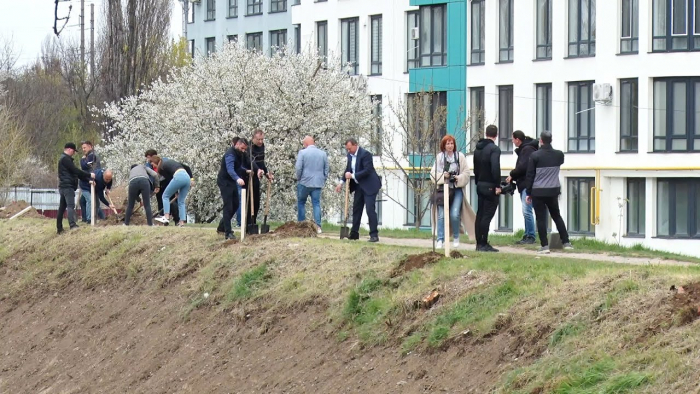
x=486 y=209
x=229 y=194
x=541 y=205
x=253 y=216
x=67 y=202
x=367 y=202
x=174 y=211
x=139 y=187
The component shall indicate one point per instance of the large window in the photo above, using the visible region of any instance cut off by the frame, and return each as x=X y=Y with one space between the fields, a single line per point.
x=253 y=41
x=505 y=30
x=377 y=46
x=427 y=119
x=278 y=5
x=629 y=119
x=190 y=13
x=544 y=29
x=191 y=47
x=677 y=207
x=211 y=45
x=578 y=199
x=478 y=32
x=636 y=204
x=278 y=39
x=417 y=205
x=582 y=28
x=544 y=107
x=676 y=25
x=232 y=38
x=581 y=117
x=254 y=7
x=476 y=116
x=211 y=10
x=348 y=44
x=473 y=195
x=629 y=38
x=297 y=38
x=322 y=39
x=433 y=36
x=232 y=8
x=377 y=119
x=505 y=211
x=505 y=118
x=677 y=114
x=412 y=42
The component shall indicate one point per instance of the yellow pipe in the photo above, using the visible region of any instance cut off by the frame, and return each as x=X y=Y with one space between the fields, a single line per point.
x=592 y=210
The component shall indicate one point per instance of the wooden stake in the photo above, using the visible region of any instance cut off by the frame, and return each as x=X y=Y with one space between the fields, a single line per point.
x=446 y=216
x=22 y=212
x=92 y=203
x=243 y=213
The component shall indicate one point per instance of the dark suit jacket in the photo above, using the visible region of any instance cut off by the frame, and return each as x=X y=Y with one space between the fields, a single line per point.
x=367 y=178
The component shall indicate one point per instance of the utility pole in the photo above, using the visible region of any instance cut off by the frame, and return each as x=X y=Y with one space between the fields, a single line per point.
x=82 y=32
x=92 y=40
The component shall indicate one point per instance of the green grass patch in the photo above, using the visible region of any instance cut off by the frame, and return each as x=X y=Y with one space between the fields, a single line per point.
x=245 y=285
x=567 y=330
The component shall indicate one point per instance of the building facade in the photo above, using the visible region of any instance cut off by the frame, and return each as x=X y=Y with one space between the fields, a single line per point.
x=615 y=83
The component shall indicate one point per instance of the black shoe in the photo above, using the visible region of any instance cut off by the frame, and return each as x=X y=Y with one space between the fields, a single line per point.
x=230 y=236
x=220 y=231
x=526 y=241
x=373 y=239
x=488 y=248
x=60 y=231
x=354 y=236
x=75 y=227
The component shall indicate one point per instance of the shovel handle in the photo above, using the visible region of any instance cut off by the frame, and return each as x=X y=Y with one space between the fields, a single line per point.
x=111 y=203
x=347 y=199
x=269 y=191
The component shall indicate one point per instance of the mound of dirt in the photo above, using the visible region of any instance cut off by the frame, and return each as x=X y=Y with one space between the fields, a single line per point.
x=415 y=261
x=138 y=218
x=16 y=207
x=685 y=304
x=296 y=230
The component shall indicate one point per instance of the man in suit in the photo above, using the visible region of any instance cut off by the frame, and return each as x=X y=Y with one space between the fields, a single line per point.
x=365 y=183
x=312 y=171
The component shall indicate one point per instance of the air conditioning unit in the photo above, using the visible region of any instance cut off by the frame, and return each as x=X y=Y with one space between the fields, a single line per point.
x=602 y=93
x=415 y=33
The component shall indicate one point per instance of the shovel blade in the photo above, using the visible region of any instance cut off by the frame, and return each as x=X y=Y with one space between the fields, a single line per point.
x=264 y=229
x=344 y=232
x=252 y=229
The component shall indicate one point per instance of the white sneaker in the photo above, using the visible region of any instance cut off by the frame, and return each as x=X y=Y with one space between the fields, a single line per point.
x=163 y=220
x=319 y=231
x=455 y=244
x=438 y=245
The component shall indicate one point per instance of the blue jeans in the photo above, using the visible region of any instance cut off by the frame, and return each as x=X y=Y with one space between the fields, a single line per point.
x=455 y=216
x=238 y=212
x=528 y=215
x=303 y=193
x=180 y=185
x=88 y=202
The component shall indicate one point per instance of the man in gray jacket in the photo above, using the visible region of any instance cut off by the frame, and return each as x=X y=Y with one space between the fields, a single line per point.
x=312 y=171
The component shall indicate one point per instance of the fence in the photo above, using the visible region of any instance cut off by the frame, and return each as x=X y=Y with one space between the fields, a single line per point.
x=45 y=201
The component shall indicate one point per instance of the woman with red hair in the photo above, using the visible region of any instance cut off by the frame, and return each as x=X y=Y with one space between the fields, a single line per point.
x=451 y=167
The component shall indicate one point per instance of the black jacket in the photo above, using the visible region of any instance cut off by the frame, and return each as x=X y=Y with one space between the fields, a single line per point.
x=528 y=147
x=487 y=163
x=368 y=181
x=258 y=153
x=168 y=167
x=542 y=178
x=68 y=173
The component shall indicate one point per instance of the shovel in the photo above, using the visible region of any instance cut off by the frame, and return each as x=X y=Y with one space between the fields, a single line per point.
x=253 y=227
x=113 y=209
x=265 y=228
x=345 y=231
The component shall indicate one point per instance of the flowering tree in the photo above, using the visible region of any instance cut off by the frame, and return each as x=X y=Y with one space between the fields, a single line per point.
x=193 y=115
x=15 y=152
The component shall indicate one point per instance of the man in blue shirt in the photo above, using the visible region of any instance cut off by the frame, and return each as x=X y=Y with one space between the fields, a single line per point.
x=103 y=185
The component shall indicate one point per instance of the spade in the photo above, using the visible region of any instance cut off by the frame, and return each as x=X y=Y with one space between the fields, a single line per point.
x=345 y=231
x=265 y=228
x=253 y=227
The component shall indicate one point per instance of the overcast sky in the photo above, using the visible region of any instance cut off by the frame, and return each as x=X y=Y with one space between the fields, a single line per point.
x=28 y=22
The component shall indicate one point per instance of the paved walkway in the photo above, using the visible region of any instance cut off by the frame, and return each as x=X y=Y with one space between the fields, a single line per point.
x=604 y=257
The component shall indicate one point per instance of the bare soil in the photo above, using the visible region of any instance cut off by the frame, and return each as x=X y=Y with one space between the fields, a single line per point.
x=287 y=230
x=416 y=261
x=16 y=207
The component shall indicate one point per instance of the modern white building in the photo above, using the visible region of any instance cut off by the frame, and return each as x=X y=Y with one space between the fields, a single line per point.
x=616 y=82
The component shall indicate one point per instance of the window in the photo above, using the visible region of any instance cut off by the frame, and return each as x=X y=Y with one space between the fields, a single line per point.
x=377 y=118
x=544 y=29
x=322 y=39
x=297 y=38
x=505 y=211
x=578 y=199
x=426 y=117
x=379 y=208
x=505 y=30
x=278 y=6
x=232 y=38
x=211 y=10
x=636 y=206
x=433 y=36
x=253 y=41
x=581 y=117
x=505 y=118
x=476 y=116
x=190 y=13
x=544 y=107
x=629 y=39
x=629 y=119
x=254 y=7
x=348 y=44
x=581 y=28
x=376 y=50
x=412 y=44
x=211 y=45
x=677 y=114
x=417 y=206
x=232 y=8
x=675 y=25
x=677 y=206
x=190 y=45
x=478 y=32
x=278 y=40
x=473 y=195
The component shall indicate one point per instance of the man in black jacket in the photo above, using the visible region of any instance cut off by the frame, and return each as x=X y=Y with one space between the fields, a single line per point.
x=228 y=180
x=487 y=175
x=257 y=153
x=525 y=146
x=542 y=181
x=68 y=175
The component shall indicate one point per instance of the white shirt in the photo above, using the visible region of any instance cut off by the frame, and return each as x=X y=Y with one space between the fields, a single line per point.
x=352 y=164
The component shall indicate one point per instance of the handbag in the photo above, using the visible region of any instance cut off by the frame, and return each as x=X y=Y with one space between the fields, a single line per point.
x=438 y=197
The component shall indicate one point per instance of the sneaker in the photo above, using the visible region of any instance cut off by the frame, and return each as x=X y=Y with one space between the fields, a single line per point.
x=74 y=227
x=455 y=244
x=438 y=245
x=543 y=250
x=319 y=231
x=568 y=246
x=230 y=236
x=488 y=248
x=181 y=224
x=162 y=219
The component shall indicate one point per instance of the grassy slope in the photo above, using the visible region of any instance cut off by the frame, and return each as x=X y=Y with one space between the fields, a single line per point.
x=588 y=327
